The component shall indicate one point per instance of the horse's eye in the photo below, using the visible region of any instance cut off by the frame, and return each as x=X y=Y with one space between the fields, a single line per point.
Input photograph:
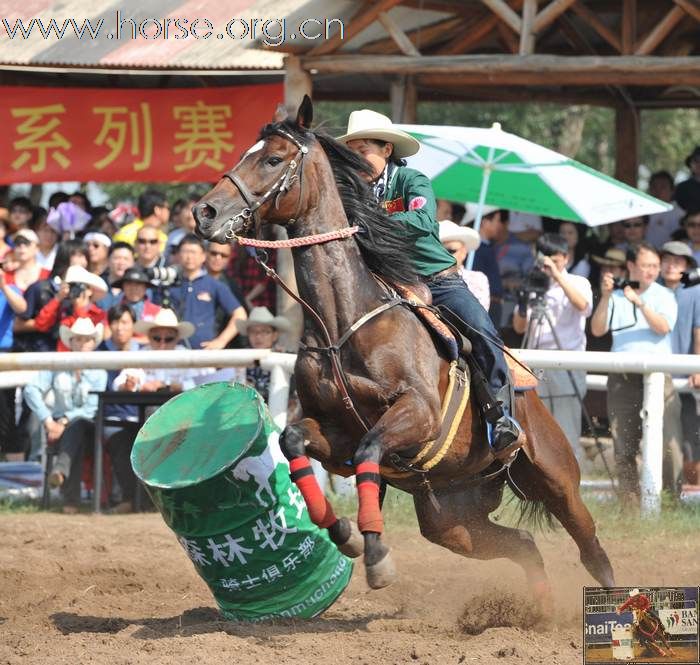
x=273 y=160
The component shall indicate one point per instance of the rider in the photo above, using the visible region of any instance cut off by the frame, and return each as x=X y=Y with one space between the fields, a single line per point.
x=407 y=196
x=638 y=601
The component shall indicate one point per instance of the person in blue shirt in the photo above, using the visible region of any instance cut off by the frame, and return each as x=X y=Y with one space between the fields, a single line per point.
x=69 y=423
x=198 y=296
x=641 y=320
x=11 y=302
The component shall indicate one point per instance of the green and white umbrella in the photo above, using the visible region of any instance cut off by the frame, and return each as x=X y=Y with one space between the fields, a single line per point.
x=493 y=167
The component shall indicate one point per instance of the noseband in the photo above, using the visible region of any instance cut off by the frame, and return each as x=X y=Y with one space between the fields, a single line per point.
x=278 y=189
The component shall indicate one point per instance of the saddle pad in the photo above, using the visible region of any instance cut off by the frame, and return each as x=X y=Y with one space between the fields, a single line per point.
x=434 y=324
x=521 y=378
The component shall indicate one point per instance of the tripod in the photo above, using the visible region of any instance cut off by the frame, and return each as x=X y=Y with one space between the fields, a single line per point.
x=538 y=315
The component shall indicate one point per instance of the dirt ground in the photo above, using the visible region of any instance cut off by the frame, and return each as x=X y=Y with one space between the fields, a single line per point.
x=118 y=589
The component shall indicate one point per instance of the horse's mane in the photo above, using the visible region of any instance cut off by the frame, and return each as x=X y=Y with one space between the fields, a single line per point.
x=385 y=246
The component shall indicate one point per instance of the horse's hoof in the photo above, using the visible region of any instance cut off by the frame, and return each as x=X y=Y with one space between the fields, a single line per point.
x=354 y=546
x=347 y=537
x=382 y=573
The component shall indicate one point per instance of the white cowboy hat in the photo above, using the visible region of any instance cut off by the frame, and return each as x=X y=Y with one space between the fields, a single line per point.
x=634 y=592
x=81 y=326
x=450 y=231
x=262 y=316
x=366 y=124
x=470 y=212
x=80 y=275
x=165 y=318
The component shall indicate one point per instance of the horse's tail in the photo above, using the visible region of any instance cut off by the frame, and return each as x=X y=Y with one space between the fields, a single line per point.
x=532 y=512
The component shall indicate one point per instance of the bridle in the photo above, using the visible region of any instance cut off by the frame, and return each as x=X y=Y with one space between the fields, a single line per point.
x=278 y=189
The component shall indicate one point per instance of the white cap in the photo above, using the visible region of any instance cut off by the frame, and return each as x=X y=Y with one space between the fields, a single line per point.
x=470 y=212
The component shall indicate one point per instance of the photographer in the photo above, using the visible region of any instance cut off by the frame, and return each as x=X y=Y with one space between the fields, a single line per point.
x=641 y=315
x=552 y=310
x=75 y=299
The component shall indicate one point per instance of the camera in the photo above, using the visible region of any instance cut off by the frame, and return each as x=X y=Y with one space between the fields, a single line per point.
x=76 y=289
x=164 y=276
x=622 y=283
x=691 y=278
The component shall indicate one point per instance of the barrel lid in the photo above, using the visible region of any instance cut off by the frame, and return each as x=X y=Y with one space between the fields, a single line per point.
x=197 y=435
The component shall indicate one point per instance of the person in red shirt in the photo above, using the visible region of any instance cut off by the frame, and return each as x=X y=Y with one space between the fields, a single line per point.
x=638 y=601
x=75 y=299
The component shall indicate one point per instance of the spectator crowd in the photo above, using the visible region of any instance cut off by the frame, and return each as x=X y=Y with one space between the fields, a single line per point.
x=75 y=277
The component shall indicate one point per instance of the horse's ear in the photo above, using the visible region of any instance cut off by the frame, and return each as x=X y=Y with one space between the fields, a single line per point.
x=280 y=114
x=305 y=113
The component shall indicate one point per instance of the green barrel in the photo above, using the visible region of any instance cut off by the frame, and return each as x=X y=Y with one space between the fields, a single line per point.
x=211 y=462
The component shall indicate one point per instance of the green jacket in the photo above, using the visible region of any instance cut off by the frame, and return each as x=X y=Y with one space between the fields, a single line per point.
x=409 y=199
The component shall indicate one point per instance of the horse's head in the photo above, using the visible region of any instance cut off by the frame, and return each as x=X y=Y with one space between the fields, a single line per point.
x=264 y=187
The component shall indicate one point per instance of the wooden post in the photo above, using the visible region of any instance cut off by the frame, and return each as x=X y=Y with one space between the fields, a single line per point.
x=297 y=83
x=527 y=34
x=627 y=144
x=403 y=100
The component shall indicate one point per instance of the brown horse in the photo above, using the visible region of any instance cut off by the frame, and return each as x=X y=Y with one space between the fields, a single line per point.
x=389 y=374
x=650 y=631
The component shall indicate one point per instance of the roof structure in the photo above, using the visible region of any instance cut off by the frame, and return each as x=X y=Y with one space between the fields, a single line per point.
x=644 y=53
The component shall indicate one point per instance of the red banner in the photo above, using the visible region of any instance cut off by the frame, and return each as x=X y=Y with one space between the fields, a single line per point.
x=183 y=135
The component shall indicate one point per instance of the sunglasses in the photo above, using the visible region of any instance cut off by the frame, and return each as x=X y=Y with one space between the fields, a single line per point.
x=632 y=225
x=159 y=339
x=451 y=250
x=219 y=254
x=147 y=241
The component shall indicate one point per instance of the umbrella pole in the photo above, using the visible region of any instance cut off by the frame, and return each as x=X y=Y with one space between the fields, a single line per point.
x=480 y=206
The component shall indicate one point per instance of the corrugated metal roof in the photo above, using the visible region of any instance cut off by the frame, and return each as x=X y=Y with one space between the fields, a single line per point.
x=108 y=52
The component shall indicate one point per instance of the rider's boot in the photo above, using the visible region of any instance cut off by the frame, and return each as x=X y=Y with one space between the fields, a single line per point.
x=505 y=433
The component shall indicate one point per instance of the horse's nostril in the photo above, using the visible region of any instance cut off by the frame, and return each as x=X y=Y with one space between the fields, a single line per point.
x=205 y=211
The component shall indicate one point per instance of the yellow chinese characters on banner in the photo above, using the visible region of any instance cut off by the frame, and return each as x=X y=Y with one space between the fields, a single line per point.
x=59 y=134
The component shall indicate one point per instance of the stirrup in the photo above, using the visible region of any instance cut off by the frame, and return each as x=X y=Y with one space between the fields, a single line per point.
x=507 y=451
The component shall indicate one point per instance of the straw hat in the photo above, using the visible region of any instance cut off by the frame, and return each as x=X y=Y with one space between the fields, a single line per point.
x=262 y=316
x=81 y=326
x=80 y=275
x=613 y=257
x=449 y=231
x=165 y=318
x=366 y=124
x=470 y=212
x=634 y=592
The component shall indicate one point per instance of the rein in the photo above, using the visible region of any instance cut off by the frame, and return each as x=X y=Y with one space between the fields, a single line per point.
x=333 y=350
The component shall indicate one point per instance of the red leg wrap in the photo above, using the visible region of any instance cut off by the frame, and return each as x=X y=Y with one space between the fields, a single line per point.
x=369 y=516
x=320 y=511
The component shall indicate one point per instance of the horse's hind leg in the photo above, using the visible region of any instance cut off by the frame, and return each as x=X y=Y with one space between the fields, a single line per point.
x=553 y=478
x=293 y=440
x=462 y=525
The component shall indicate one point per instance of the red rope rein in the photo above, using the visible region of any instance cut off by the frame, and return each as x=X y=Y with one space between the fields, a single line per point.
x=299 y=242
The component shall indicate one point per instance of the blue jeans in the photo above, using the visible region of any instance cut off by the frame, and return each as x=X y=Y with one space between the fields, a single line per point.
x=452 y=292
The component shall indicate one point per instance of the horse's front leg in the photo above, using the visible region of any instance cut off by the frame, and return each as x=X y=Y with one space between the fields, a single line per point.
x=410 y=420
x=293 y=442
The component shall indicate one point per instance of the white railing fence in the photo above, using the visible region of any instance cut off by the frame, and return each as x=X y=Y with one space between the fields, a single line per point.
x=15 y=367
